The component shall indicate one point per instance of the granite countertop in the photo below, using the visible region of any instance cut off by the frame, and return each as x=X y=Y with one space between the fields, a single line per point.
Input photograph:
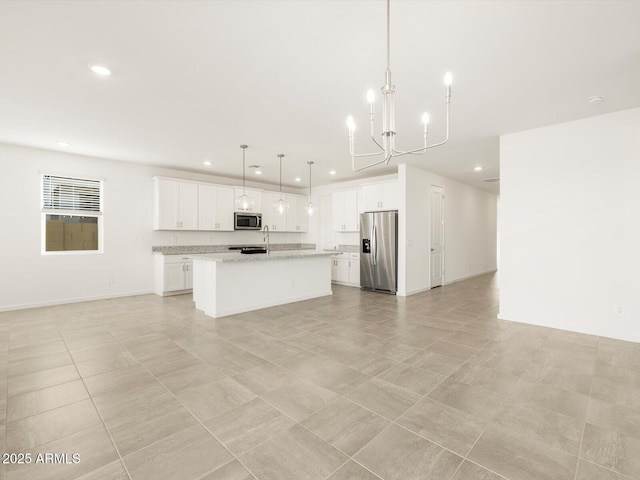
x=205 y=249
x=343 y=248
x=272 y=255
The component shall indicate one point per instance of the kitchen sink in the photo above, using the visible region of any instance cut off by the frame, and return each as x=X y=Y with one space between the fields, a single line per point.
x=251 y=250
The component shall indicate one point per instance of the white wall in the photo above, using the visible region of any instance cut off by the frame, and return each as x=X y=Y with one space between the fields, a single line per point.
x=31 y=279
x=570 y=226
x=470 y=230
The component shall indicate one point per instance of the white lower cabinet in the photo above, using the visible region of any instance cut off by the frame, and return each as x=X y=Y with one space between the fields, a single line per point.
x=345 y=269
x=354 y=269
x=173 y=274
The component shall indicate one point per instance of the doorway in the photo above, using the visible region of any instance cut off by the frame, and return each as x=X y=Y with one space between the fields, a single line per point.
x=437 y=236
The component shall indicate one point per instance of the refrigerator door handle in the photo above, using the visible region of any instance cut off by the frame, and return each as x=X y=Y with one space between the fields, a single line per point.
x=374 y=245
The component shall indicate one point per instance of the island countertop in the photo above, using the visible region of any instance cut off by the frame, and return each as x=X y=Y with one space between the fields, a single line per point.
x=272 y=255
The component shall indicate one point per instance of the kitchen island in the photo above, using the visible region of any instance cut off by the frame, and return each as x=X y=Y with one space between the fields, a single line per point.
x=229 y=283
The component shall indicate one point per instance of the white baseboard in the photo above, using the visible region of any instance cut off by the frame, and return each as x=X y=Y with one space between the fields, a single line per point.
x=461 y=279
x=235 y=311
x=345 y=284
x=426 y=289
x=571 y=328
x=64 y=301
x=414 y=292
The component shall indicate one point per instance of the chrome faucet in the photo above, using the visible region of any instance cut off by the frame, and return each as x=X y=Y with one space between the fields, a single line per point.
x=265 y=236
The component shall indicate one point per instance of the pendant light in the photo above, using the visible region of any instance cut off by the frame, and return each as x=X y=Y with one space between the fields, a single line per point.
x=243 y=202
x=386 y=148
x=310 y=207
x=281 y=204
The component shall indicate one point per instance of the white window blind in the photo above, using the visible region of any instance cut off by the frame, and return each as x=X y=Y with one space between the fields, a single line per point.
x=71 y=194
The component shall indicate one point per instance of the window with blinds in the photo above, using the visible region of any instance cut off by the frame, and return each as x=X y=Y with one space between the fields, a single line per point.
x=71 y=214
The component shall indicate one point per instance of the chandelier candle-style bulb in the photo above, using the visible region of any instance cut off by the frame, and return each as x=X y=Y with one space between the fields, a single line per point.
x=386 y=145
x=425 y=122
x=371 y=96
x=351 y=124
x=447 y=83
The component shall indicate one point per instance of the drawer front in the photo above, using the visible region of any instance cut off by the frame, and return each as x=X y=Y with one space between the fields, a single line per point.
x=168 y=259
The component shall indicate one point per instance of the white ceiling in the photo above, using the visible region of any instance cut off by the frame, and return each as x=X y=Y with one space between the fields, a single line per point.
x=193 y=80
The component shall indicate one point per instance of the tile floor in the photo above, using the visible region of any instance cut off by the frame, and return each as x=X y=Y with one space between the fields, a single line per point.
x=354 y=386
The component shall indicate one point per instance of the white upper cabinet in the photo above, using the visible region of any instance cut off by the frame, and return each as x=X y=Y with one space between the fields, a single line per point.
x=186 y=205
x=255 y=199
x=225 y=206
x=175 y=204
x=271 y=216
x=297 y=216
x=293 y=219
x=381 y=196
x=215 y=207
x=345 y=211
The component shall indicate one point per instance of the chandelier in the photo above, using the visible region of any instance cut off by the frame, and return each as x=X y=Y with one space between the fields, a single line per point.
x=387 y=146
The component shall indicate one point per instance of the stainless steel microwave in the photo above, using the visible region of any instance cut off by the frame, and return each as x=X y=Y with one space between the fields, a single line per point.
x=247 y=221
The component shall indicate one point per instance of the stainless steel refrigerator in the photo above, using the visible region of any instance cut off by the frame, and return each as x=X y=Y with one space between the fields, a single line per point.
x=379 y=251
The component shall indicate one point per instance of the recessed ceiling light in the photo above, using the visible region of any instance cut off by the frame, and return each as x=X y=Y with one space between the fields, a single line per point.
x=100 y=70
x=63 y=144
x=332 y=172
x=258 y=172
x=297 y=179
x=478 y=168
x=207 y=162
x=595 y=99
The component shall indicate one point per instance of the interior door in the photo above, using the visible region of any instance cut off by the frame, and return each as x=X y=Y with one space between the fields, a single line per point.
x=437 y=235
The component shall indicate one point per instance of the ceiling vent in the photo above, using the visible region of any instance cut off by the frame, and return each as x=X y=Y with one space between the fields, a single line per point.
x=491 y=180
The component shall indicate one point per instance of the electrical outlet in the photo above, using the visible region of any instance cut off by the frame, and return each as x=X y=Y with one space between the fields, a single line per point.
x=211 y=238
x=293 y=283
x=619 y=310
x=175 y=239
x=111 y=281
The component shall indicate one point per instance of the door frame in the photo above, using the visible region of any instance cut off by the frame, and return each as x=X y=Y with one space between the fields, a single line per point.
x=443 y=236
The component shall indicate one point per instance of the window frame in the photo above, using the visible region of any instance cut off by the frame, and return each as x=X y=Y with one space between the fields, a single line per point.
x=71 y=213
